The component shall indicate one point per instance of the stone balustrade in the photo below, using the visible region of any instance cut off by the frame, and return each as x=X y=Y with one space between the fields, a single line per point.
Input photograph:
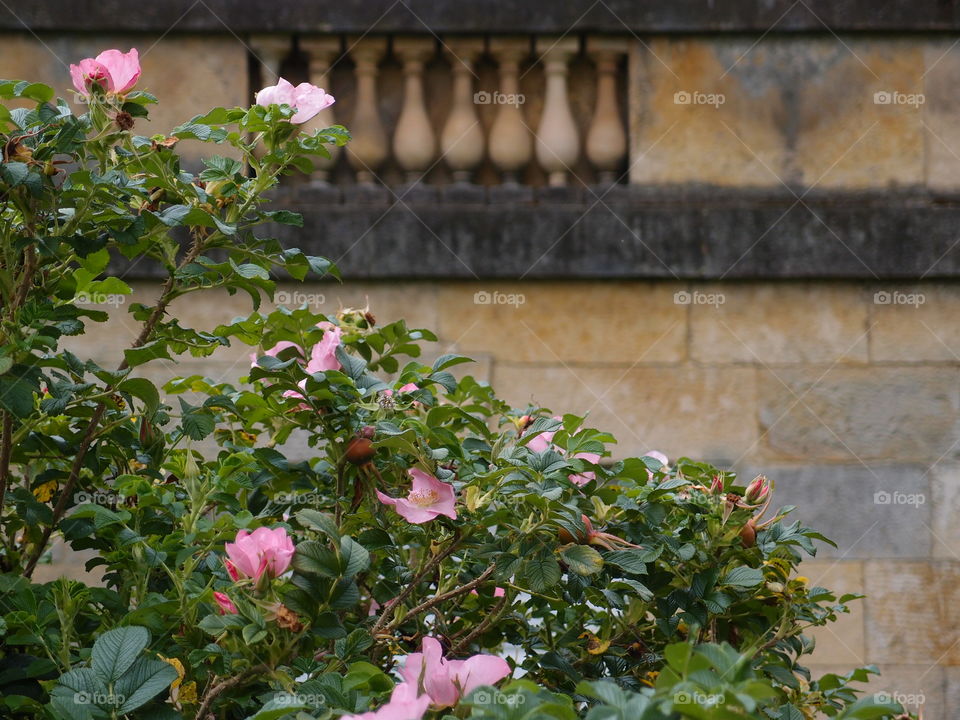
x=481 y=111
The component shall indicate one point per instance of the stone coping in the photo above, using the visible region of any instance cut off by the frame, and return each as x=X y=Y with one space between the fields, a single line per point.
x=629 y=233
x=482 y=16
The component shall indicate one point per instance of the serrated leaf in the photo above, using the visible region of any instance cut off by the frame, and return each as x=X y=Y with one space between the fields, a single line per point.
x=116 y=650
x=745 y=577
x=582 y=559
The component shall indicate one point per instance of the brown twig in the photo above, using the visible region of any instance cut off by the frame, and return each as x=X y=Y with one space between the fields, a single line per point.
x=210 y=695
x=411 y=586
x=443 y=597
x=481 y=628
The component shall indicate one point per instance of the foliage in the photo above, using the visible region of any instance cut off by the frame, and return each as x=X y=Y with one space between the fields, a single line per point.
x=618 y=589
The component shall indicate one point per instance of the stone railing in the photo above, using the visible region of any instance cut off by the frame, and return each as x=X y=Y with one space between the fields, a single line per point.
x=548 y=110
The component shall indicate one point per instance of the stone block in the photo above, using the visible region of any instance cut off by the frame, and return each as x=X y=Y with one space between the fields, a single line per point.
x=770 y=323
x=555 y=323
x=875 y=512
x=858 y=414
x=842 y=642
x=911 y=323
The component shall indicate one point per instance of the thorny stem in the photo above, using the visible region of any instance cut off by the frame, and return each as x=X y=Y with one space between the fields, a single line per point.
x=443 y=597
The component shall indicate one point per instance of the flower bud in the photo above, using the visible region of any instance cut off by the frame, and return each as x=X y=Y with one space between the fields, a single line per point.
x=757 y=490
x=716 y=487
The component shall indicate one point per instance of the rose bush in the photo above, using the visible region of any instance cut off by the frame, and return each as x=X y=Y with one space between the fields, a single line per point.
x=438 y=553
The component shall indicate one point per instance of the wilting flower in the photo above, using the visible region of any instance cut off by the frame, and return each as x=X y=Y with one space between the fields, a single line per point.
x=406 y=703
x=446 y=681
x=305 y=98
x=605 y=540
x=757 y=490
x=428 y=498
x=264 y=551
x=226 y=604
x=114 y=71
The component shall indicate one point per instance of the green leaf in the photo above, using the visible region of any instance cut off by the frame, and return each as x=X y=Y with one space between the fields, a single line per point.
x=354 y=557
x=144 y=390
x=582 y=559
x=542 y=572
x=630 y=560
x=745 y=577
x=314 y=558
x=116 y=650
x=322 y=522
x=146 y=678
x=146 y=353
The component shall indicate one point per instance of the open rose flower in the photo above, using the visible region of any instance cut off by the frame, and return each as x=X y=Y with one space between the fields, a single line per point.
x=446 y=681
x=427 y=499
x=406 y=703
x=114 y=71
x=262 y=552
x=305 y=98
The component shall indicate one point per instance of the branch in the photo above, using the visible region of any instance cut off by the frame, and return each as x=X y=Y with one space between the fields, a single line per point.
x=411 y=586
x=481 y=628
x=437 y=599
x=210 y=695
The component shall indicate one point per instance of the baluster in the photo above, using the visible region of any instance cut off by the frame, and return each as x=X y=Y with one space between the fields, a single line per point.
x=414 y=144
x=271 y=50
x=462 y=137
x=368 y=148
x=322 y=51
x=511 y=146
x=558 y=141
x=607 y=137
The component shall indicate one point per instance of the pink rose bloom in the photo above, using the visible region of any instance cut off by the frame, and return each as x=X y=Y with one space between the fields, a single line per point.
x=113 y=70
x=323 y=355
x=305 y=98
x=446 y=681
x=264 y=551
x=582 y=479
x=226 y=604
x=406 y=703
x=427 y=499
x=409 y=387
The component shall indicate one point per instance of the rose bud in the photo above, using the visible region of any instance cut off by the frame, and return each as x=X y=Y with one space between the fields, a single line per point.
x=757 y=490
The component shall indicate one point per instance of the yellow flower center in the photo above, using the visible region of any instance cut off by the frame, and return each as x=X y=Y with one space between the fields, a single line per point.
x=423 y=498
